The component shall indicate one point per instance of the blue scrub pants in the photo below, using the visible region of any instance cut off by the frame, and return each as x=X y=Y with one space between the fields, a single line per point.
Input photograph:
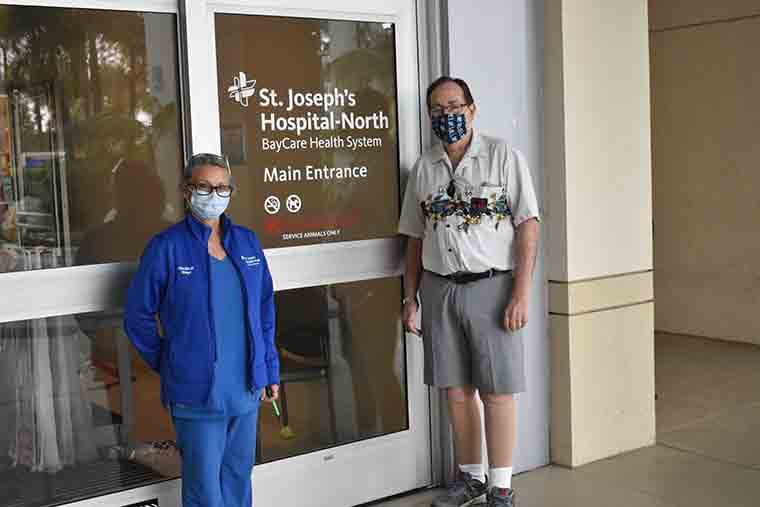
x=218 y=453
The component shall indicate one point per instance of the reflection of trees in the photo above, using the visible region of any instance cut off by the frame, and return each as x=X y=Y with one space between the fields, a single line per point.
x=89 y=52
x=95 y=62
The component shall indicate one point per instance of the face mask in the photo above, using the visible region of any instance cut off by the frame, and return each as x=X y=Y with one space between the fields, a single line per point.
x=450 y=128
x=208 y=207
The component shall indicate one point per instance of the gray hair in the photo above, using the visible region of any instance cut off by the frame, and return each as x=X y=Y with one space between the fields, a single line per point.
x=203 y=159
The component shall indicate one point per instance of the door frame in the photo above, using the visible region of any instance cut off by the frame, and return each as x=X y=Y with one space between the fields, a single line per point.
x=319 y=473
x=393 y=463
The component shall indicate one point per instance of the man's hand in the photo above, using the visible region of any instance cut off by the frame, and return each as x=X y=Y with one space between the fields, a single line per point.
x=410 y=318
x=275 y=388
x=516 y=314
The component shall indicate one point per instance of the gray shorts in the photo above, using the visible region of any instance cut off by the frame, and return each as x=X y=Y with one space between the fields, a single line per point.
x=466 y=343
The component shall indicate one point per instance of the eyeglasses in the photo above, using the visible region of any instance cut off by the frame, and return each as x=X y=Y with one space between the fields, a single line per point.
x=451 y=190
x=450 y=109
x=206 y=189
x=200 y=159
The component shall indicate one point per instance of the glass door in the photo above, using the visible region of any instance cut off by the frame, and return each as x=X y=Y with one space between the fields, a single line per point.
x=318 y=113
x=90 y=163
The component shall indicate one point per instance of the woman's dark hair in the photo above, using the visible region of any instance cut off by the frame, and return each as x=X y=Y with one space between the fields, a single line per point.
x=447 y=79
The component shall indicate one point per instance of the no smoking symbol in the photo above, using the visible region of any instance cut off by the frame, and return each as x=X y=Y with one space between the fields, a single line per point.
x=272 y=205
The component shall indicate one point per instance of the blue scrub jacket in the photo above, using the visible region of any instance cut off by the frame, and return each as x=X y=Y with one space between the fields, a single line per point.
x=173 y=282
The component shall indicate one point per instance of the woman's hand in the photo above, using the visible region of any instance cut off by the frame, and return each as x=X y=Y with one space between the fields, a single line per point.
x=273 y=395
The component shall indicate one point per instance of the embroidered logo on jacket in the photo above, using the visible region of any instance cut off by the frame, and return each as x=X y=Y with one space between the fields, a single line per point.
x=250 y=261
x=185 y=270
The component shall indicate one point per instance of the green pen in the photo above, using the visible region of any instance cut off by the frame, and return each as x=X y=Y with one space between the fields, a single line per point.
x=274 y=402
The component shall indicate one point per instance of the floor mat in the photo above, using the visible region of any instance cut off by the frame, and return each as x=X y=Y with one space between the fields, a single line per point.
x=20 y=488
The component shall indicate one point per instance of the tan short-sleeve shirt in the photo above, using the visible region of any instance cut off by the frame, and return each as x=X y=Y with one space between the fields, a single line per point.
x=468 y=225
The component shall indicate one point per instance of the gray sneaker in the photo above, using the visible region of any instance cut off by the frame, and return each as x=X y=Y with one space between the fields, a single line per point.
x=465 y=491
x=501 y=497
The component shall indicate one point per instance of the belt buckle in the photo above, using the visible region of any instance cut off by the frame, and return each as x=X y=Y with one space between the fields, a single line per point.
x=458 y=277
x=469 y=277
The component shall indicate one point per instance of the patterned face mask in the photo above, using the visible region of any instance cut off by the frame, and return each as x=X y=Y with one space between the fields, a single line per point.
x=450 y=128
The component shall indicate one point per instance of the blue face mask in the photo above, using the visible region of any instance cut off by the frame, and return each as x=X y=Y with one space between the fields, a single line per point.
x=208 y=207
x=450 y=128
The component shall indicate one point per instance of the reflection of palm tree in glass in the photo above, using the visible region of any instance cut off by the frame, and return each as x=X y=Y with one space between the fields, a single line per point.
x=87 y=53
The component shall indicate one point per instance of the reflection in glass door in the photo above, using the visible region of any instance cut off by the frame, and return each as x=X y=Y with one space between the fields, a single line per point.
x=310 y=129
x=343 y=368
x=90 y=160
x=318 y=113
x=41 y=214
x=89 y=119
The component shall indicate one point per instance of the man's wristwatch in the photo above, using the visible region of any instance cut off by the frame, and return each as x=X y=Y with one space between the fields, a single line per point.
x=406 y=300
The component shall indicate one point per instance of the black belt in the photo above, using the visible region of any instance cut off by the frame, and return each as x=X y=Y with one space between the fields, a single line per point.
x=465 y=277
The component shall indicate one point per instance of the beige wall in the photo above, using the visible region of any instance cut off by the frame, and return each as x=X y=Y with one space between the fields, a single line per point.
x=705 y=125
x=599 y=223
x=603 y=396
x=598 y=125
x=664 y=14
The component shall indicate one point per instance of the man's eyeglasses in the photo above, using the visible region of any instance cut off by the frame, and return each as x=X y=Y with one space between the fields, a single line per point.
x=206 y=189
x=450 y=109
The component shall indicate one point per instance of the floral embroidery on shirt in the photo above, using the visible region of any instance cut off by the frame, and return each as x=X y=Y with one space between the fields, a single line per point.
x=439 y=207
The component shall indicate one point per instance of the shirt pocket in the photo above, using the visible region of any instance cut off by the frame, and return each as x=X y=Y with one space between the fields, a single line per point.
x=491 y=191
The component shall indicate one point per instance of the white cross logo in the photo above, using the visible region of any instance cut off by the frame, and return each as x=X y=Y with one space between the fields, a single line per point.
x=241 y=89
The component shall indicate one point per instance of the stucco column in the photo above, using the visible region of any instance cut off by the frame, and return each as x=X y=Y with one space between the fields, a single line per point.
x=599 y=228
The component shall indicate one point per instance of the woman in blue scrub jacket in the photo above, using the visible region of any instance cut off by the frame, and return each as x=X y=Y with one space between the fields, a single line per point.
x=207 y=281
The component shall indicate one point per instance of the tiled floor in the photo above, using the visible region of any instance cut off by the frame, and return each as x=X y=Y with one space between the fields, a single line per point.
x=709 y=398
x=709 y=440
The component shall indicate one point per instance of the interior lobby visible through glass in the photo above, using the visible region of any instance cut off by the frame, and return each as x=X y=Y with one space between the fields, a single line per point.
x=89 y=135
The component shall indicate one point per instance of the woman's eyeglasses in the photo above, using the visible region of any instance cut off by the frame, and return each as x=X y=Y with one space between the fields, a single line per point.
x=206 y=189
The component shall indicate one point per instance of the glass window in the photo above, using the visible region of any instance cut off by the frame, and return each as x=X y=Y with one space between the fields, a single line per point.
x=89 y=134
x=308 y=117
x=79 y=403
x=343 y=368
x=81 y=412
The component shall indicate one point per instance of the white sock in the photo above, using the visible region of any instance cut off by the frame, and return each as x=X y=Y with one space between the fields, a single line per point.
x=476 y=471
x=500 y=477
